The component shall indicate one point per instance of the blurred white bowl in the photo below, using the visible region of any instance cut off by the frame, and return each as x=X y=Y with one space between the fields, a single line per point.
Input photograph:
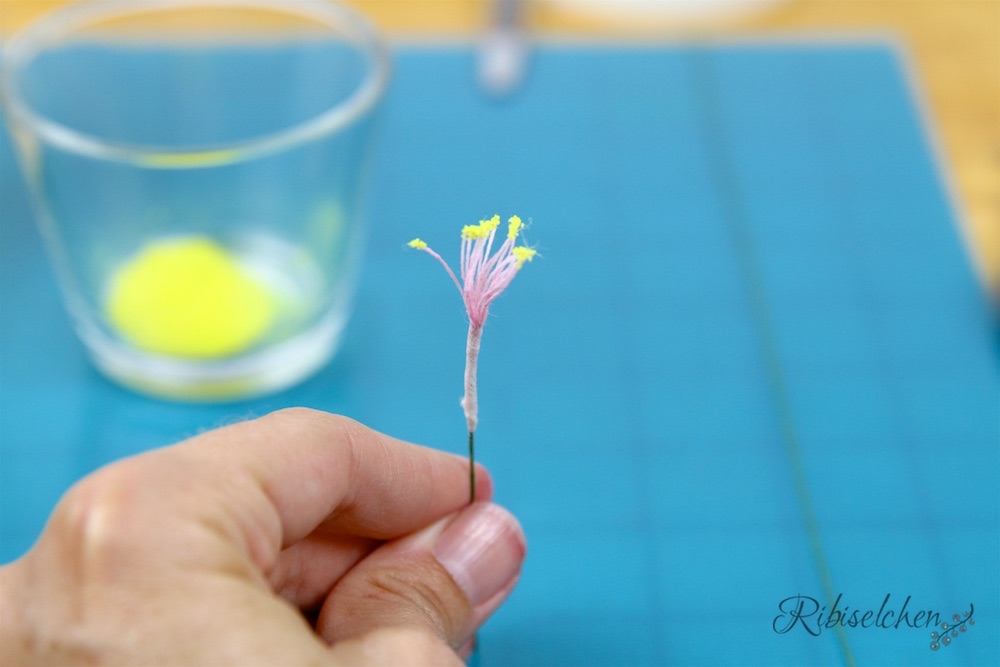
x=680 y=9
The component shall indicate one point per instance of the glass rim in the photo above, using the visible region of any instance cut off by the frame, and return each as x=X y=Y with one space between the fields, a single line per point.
x=23 y=47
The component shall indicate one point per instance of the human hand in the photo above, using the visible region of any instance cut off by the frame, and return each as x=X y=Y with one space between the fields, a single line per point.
x=298 y=538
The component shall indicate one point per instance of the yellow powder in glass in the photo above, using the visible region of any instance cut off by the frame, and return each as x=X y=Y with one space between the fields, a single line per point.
x=188 y=297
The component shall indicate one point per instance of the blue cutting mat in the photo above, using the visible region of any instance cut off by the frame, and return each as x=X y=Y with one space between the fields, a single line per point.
x=752 y=364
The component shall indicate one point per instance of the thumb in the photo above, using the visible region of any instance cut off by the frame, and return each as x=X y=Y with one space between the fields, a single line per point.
x=442 y=582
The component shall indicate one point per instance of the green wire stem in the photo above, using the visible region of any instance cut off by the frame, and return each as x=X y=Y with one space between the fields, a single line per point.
x=472 y=469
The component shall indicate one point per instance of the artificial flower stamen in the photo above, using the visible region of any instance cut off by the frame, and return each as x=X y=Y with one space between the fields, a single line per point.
x=485 y=275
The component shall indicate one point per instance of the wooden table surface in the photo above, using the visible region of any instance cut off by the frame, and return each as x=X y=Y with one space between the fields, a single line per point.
x=955 y=46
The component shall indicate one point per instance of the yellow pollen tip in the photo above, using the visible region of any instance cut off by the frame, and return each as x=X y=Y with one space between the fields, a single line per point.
x=523 y=254
x=417 y=243
x=482 y=230
x=514 y=228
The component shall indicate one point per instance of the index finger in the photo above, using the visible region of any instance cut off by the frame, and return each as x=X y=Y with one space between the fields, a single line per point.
x=318 y=468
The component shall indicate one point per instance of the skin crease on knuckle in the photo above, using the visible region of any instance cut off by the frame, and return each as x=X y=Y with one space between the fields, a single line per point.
x=417 y=593
x=119 y=526
x=99 y=517
x=343 y=437
x=404 y=470
x=60 y=586
x=362 y=451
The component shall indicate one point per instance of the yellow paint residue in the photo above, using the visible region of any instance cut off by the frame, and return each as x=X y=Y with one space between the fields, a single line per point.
x=189 y=297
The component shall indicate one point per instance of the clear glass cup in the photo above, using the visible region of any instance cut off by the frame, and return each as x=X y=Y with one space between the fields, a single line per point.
x=199 y=172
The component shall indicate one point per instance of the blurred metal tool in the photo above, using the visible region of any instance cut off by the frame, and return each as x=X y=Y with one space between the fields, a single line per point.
x=504 y=54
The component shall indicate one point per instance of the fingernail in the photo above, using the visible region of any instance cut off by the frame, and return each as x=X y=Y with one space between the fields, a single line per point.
x=482 y=550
